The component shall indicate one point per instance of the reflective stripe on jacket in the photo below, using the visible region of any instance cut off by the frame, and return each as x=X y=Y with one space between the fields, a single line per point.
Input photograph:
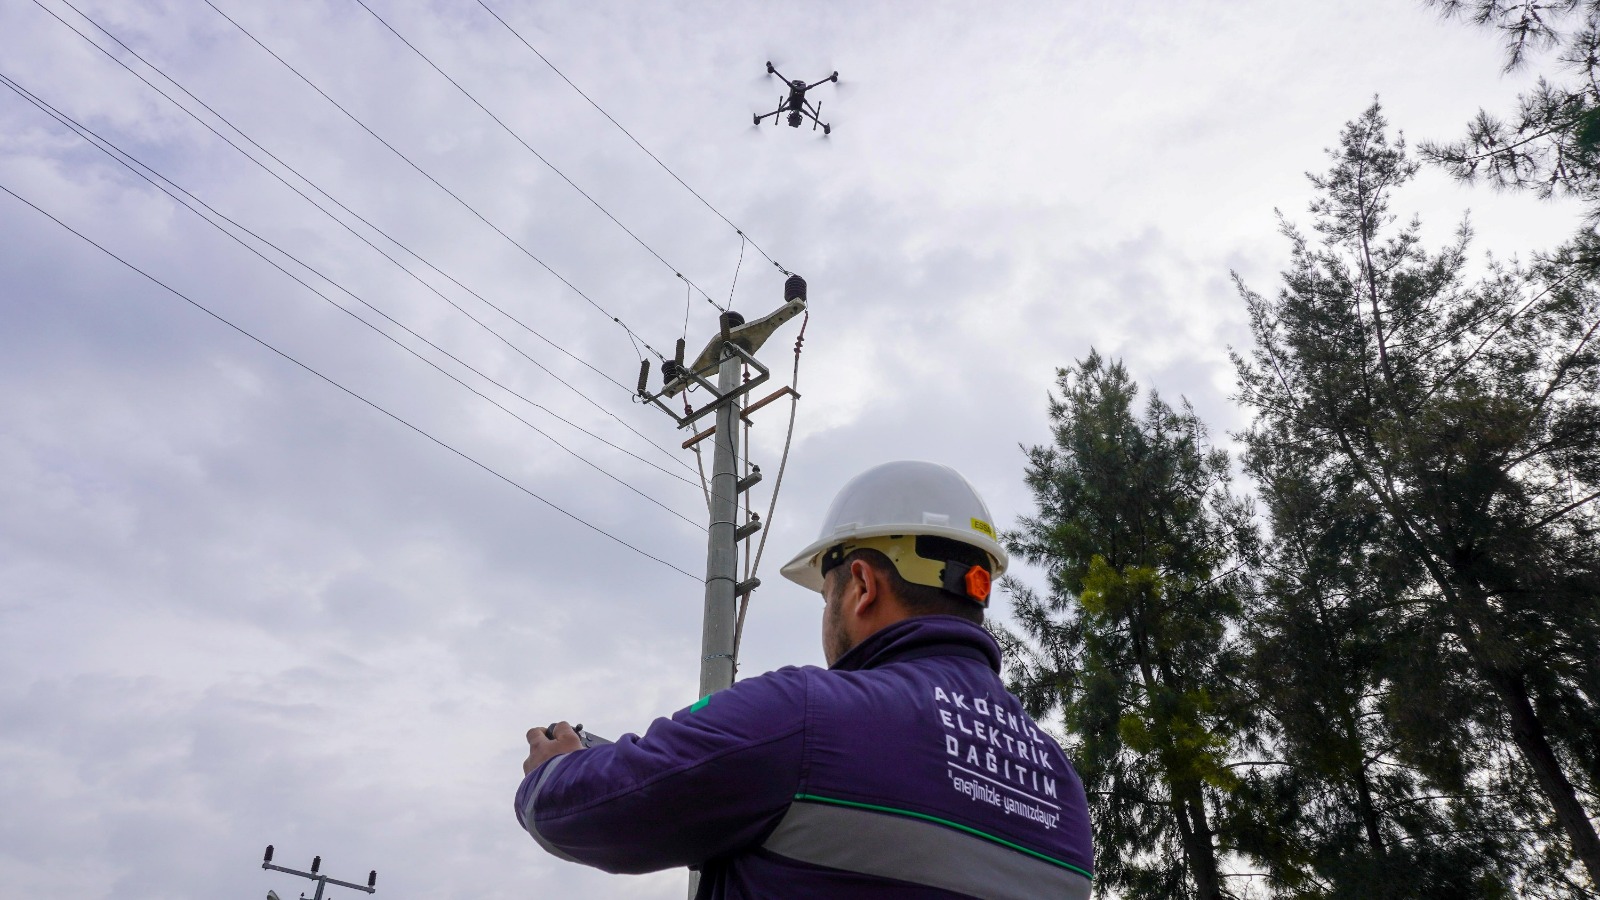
x=905 y=770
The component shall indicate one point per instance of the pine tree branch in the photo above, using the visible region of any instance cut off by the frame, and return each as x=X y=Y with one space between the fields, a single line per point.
x=1251 y=763
x=1563 y=367
x=1450 y=156
x=1491 y=335
x=1566 y=509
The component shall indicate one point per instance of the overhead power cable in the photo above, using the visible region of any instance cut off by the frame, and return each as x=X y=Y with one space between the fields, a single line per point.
x=783 y=463
x=208 y=311
x=358 y=217
x=114 y=151
x=529 y=147
x=453 y=195
x=736 y=267
x=637 y=143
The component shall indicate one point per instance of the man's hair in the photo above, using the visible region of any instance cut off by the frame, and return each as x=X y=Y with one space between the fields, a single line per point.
x=918 y=599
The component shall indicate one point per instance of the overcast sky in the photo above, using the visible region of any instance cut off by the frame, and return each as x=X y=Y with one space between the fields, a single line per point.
x=238 y=606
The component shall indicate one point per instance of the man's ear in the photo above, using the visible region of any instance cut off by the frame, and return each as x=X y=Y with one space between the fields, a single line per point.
x=874 y=587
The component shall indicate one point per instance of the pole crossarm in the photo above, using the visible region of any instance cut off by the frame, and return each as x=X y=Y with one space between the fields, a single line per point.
x=786 y=389
x=721 y=396
x=745 y=415
x=321 y=878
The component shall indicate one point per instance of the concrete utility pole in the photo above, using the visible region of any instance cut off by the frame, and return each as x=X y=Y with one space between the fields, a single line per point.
x=322 y=880
x=728 y=352
x=722 y=550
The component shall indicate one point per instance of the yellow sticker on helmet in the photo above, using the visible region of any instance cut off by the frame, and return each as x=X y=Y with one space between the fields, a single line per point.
x=983 y=527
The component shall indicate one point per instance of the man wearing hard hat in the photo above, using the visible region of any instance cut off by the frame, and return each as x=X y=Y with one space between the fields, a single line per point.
x=905 y=769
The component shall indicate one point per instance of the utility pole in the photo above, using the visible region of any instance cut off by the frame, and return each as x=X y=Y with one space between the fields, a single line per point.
x=728 y=352
x=322 y=880
x=722 y=551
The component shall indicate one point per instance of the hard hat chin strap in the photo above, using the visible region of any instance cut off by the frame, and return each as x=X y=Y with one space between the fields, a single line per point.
x=924 y=560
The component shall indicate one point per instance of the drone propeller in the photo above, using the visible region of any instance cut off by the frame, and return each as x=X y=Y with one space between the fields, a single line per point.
x=834 y=116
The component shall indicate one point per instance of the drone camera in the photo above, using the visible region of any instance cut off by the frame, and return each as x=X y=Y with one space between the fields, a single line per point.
x=794 y=120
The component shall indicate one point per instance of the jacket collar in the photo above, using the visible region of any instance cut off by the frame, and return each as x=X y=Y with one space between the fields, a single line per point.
x=918 y=637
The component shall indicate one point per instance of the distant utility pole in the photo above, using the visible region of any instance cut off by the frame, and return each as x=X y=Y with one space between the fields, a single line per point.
x=728 y=352
x=322 y=880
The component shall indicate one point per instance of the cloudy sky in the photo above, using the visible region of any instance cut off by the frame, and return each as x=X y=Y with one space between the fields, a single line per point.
x=239 y=606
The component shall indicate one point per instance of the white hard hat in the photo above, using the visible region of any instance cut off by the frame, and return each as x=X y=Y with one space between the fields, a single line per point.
x=910 y=498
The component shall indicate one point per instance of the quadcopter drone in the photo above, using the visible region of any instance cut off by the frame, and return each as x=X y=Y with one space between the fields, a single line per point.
x=796 y=104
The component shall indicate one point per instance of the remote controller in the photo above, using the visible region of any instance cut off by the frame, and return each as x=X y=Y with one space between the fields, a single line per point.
x=588 y=740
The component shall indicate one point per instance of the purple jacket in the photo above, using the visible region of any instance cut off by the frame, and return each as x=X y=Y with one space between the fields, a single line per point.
x=905 y=770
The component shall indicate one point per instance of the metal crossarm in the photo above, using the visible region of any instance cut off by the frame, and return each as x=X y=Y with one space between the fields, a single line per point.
x=322 y=880
x=720 y=398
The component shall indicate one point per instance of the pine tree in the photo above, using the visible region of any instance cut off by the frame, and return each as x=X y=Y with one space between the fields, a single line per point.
x=1466 y=413
x=1131 y=642
x=1551 y=142
x=1354 y=796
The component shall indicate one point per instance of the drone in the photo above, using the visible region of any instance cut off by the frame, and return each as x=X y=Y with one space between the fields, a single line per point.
x=796 y=104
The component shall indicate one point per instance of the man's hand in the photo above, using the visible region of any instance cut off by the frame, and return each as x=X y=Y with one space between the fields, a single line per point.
x=542 y=747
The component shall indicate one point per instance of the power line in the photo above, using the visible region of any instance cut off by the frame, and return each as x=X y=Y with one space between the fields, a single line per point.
x=360 y=218
x=736 y=267
x=86 y=134
x=631 y=335
x=423 y=172
x=529 y=147
x=180 y=295
x=668 y=170
x=783 y=463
